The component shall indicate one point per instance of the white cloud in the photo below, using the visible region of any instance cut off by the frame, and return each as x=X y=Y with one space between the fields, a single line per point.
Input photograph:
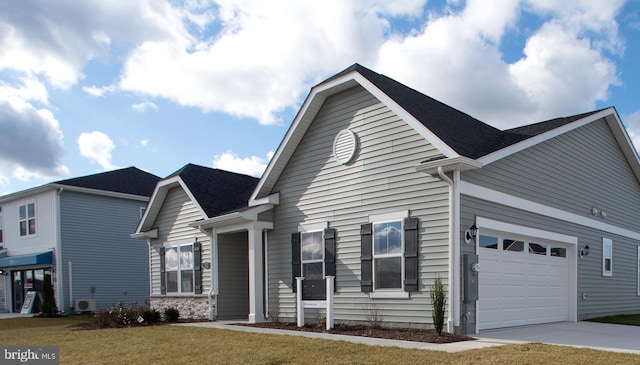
x=97 y=147
x=99 y=91
x=565 y=69
x=632 y=123
x=263 y=59
x=253 y=165
x=144 y=106
x=31 y=140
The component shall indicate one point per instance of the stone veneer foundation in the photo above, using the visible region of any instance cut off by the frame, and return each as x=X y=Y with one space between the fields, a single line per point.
x=189 y=307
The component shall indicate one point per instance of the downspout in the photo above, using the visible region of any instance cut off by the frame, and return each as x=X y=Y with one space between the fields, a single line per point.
x=150 y=271
x=58 y=256
x=453 y=250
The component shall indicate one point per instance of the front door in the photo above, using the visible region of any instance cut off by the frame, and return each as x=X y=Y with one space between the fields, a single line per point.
x=25 y=281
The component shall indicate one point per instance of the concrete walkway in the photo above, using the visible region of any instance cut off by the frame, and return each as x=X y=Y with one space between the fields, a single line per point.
x=599 y=336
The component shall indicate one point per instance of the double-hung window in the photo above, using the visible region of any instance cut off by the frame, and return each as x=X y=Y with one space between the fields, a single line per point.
x=607 y=257
x=27 y=219
x=181 y=269
x=313 y=258
x=389 y=254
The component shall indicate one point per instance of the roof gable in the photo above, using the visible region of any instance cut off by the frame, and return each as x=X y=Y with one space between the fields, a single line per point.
x=213 y=191
x=455 y=134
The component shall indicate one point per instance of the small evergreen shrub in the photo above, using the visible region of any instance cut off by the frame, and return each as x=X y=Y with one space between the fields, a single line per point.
x=438 y=302
x=171 y=314
x=49 y=307
x=150 y=315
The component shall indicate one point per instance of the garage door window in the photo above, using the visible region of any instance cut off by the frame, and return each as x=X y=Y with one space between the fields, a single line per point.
x=518 y=245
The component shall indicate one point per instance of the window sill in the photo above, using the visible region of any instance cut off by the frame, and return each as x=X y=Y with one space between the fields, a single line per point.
x=389 y=295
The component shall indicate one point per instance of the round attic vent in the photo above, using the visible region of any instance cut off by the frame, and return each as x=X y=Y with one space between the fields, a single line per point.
x=345 y=146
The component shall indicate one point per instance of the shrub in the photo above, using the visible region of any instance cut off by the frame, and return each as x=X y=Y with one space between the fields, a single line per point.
x=49 y=307
x=438 y=302
x=101 y=319
x=171 y=314
x=150 y=315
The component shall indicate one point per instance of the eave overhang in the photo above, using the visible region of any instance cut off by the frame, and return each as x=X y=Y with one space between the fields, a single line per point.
x=459 y=163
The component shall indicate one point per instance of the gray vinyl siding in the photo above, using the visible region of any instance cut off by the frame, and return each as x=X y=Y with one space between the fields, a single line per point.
x=605 y=295
x=574 y=172
x=95 y=239
x=176 y=213
x=315 y=188
x=233 y=298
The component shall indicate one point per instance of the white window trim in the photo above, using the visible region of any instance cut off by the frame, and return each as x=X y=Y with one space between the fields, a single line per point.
x=607 y=242
x=179 y=292
x=315 y=261
x=35 y=218
x=395 y=293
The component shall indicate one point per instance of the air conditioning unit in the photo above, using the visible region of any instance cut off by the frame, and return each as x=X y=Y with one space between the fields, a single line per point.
x=84 y=305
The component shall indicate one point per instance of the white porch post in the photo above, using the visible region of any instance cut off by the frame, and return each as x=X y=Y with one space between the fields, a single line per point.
x=329 y=309
x=256 y=301
x=299 y=303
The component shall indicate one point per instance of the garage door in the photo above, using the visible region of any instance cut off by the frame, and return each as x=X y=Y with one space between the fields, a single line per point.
x=521 y=282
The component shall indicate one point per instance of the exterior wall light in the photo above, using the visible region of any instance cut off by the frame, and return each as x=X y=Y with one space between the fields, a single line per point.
x=584 y=251
x=471 y=233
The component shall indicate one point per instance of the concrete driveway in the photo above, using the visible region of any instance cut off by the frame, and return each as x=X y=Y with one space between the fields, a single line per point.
x=601 y=336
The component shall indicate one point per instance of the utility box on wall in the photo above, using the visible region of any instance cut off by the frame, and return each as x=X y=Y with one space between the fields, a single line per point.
x=470 y=271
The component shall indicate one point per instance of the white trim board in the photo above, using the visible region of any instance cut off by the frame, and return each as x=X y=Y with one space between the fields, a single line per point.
x=477 y=191
x=486 y=223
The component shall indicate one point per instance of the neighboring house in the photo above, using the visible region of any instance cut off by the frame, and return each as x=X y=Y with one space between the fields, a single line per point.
x=76 y=230
x=386 y=188
x=184 y=273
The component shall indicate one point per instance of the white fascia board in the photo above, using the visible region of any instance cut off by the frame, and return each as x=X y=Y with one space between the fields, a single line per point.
x=298 y=128
x=529 y=142
x=459 y=163
x=245 y=218
x=310 y=108
x=273 y=199
x=498 y=197
x=154 y=204
x=622 y=136
x=153 y=233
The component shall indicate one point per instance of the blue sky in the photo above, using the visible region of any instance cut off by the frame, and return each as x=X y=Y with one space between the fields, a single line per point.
x=89 y=86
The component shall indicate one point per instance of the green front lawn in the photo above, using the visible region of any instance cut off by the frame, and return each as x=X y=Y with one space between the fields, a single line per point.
x=628 y=319
x=166 y=344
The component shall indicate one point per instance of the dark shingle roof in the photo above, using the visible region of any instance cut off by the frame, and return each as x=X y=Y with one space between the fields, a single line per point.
x=465 y=134
x=217 y=191
x=130 y=180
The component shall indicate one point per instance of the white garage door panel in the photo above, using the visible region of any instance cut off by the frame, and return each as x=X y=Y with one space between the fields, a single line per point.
x=519 y=288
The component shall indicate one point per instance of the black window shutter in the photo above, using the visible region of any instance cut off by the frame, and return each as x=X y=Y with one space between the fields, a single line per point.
x=296 y=267
x=366 y=257
x=197 y=270
x=411 y=254
x=163 y=285
x=330 y=254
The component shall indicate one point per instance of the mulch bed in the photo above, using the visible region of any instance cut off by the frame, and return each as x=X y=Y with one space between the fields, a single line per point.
x=405 y=334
